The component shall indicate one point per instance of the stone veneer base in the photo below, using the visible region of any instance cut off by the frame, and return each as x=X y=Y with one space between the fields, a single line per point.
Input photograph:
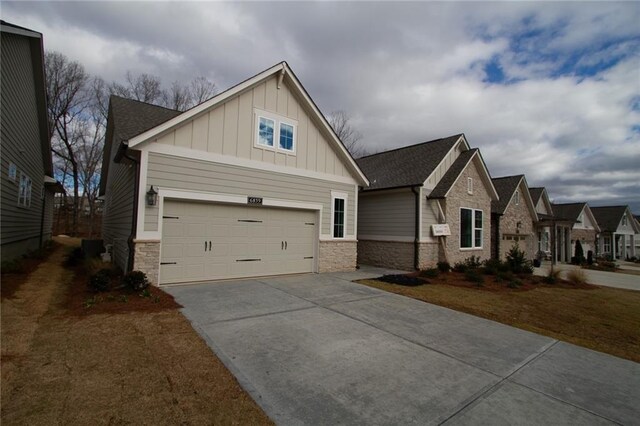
x=337 y=256
x=146 y=258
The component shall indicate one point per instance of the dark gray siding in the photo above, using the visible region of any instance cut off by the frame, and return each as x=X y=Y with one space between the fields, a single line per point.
x=21 y=145
x=118 y=209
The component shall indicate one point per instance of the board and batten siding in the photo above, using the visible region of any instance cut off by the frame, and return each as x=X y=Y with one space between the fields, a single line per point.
x=386 y=214
x=118 y=209
x=230 y=129
x=430 y=215
x=21 y=145
x=177 y=173
x=443 y=167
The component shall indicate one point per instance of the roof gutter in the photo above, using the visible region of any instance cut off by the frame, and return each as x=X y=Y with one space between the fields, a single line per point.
x=123 y=152
x=416 y=241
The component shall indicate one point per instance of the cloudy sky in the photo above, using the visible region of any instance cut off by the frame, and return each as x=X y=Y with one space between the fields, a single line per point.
x=548 y=89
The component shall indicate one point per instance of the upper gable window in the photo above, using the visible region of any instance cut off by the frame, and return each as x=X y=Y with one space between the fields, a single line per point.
x=266 y=130
x=516 y=198
x=624 y=220
x=470 y=185
x=275 y=132
x=24 y=191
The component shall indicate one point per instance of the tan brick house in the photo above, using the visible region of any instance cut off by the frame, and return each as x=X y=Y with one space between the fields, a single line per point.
x=513 y=217
x=619 y=231
x=584 y=227
x=426 y=203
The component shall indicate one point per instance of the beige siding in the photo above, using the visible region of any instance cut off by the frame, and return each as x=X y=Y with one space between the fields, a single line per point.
x=430 y=215
x=230 y=129
x=541 y=207
x=167 y=172
x=442 y=168
x=20 y=226
x=118 y=209
x=386 y=214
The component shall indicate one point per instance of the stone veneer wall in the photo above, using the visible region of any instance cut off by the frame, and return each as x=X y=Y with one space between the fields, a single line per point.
x=337 y=256
x=386 y=254
x=429 y=255
x=509 y=226
x=147 y=258
x=588 y=239
x=457 y=198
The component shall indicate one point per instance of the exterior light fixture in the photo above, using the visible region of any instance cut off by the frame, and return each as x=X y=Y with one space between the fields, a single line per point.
x=518 y=226
x=152 y=197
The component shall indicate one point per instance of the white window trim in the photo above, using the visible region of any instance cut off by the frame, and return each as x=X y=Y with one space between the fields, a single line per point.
x=473 y=230
x=343 y=196
x=606 y=244
x=516 y=197
x=278 y=121
x=28 y=190
x=470 y=185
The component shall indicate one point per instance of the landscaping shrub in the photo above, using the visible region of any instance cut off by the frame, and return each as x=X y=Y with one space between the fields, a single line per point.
x=493 y=267
x=504 y=276
x=401 y=280
x=430 y=273
x=136 y=280
x=443 y=266
x=517 y=261
x=472 y=262
x=514 y=283
x=474 y=276
x=579 y=253
x=15 y=266
x=74 y=257
x=577 y=276
x=552 y=276
x=100 y=281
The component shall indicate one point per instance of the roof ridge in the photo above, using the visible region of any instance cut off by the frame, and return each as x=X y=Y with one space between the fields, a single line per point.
x=145 y=103
x=507 y=177
x=411 y=146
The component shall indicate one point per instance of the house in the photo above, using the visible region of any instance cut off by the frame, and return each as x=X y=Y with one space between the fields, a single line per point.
x=618 y=230
x=252 y=182
x=425 y=203
x=513 y=217
x=584 y=226
x=27 y=185
x=543 y=227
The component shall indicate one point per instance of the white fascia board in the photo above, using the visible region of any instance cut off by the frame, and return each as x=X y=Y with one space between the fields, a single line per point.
x=20 y=31
x=461 y=140
x=167 y=125
x=532 y=207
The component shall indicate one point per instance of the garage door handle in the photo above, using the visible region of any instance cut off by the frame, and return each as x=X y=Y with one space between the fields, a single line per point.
x=285 y=245
x=205 y=246
x=209 y=245
x=281 y=245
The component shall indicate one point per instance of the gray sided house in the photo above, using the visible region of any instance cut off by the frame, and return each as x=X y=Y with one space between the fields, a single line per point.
x=584 y=226
x=426 y=203
x=513 y=217
x=27 y=173
x=618 y=231
x=252 y=182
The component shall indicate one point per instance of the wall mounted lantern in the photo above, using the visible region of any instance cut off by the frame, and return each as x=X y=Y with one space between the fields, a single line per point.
x=152 y=197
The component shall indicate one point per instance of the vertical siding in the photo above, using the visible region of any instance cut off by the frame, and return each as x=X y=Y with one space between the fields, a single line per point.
x=230 y=129
x=21 y=145
x=387 y=214
x=169 y=172
x=442 y=168
x=430 y=215
x=118 y=209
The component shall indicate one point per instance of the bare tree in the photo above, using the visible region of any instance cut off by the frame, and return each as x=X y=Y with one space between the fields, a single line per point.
x=202 y=89
x=66 y=103
x=178 y=97
x=350 y=137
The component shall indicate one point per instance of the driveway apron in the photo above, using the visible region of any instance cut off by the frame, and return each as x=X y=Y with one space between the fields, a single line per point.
x=320 y=349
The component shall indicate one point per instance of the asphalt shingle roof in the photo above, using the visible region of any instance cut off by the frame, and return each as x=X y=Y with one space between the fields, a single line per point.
x=536 y=193
x=608 y=217
x=134 y=117
x=505 y=187
x=450 y=177
x=568 y=211
x=406 y=166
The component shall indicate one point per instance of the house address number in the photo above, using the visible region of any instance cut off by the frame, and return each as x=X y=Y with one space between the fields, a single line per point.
x=440 y=230
x=254 y=200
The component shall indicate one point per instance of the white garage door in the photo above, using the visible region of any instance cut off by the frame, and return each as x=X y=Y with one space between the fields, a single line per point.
x=205 y=241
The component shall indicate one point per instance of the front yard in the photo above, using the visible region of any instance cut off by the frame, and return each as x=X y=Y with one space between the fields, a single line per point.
x=600 y=318
x=120 y=361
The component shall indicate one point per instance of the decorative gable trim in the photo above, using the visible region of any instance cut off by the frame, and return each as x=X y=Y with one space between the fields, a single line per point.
x=462 y=140
x=285 y=71
x=484 y=174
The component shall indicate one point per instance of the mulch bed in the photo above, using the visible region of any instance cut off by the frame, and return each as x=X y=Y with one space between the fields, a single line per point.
x=81 y=300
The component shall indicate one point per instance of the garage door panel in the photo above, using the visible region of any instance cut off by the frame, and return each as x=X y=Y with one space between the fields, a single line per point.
x=238 y=234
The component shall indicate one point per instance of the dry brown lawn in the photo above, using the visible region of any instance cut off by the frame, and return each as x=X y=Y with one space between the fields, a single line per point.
x=137 y=367
x=600 y=318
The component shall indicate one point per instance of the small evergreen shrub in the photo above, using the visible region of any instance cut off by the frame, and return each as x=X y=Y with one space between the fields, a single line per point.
x=430 y=273
x=552 y=276
x=517 y=261
x=504 y=276
x=474 y=276
x=493 y=267
x=100 y=281
x=472 y=262
x=135 y=280
x=443 y=266
x=579 y=253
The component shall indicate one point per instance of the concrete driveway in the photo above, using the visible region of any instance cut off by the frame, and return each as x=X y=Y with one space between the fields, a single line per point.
x=604 y=278
x=319 y=349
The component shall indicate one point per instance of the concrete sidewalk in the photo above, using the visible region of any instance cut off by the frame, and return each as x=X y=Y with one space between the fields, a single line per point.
x=607 y=279
x=319 y=349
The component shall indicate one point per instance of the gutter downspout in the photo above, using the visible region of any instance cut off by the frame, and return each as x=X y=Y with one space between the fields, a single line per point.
x=416 y=240
x=44 y=201
x=123 y=152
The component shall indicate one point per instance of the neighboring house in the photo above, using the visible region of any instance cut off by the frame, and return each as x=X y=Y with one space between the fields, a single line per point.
x=543 y=228
x=27 y=173
x=513 y=217
x=426 y=203
x=252 y=182
x=618 y=231
x=584 y=228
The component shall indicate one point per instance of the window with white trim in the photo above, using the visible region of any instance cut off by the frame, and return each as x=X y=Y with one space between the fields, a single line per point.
x=471 y=228
x=624 y=220
x=338 y=215
x=470 y=185
x=275 y=132
x=24 y=191
x=516 y=197
x=607 y=245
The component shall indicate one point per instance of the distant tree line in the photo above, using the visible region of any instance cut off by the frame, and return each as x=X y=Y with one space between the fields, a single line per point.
x=78 y=105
